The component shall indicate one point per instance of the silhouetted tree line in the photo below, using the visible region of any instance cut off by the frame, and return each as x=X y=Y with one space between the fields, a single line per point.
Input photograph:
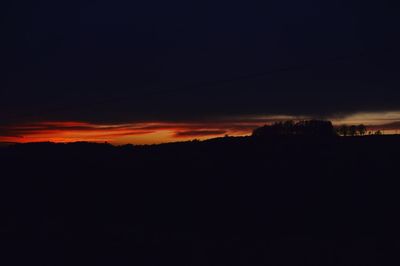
x=352 y=130
x=355 y=130
x=316 y=128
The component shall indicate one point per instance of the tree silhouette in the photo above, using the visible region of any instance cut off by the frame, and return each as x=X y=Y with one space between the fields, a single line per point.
x=353 y=130
x=343 y=130
x=361 y=130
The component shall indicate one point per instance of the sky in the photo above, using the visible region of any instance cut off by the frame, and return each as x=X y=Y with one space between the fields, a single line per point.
x=157 y=71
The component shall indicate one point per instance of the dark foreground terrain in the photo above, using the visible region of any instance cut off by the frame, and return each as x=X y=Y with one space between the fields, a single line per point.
x=229 y=201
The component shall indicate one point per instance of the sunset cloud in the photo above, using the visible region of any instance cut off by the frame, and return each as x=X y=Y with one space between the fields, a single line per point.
x=138 y=133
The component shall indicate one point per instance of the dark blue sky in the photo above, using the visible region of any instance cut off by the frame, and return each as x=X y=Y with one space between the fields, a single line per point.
x=125 y=61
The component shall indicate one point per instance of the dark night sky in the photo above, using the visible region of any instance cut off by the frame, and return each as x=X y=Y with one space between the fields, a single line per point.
x=126 y=61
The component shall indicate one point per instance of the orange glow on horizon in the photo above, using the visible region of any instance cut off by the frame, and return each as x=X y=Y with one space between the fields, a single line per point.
x=135 y=133
x=162 y=132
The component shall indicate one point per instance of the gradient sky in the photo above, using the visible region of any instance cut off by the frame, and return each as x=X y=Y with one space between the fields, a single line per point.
x=155 y=71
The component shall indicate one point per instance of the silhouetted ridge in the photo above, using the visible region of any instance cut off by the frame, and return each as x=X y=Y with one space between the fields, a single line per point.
x=225 y=201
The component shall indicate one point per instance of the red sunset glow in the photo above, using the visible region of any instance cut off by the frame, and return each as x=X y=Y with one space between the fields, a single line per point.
x=137 y=133
x=160 y=132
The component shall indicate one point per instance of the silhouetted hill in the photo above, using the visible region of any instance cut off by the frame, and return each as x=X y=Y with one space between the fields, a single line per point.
x=288 y=200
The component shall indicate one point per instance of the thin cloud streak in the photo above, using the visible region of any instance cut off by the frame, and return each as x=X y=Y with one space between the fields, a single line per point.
x=201 y=133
